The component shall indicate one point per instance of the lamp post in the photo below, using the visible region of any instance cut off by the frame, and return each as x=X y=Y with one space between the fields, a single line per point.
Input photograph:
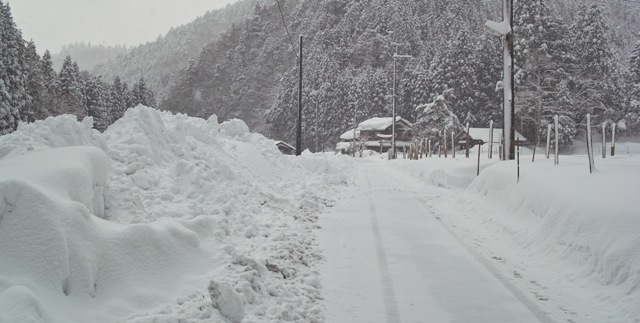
x=393 y=121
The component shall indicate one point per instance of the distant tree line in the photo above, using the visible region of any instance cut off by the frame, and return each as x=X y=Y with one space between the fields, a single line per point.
x=30 y=89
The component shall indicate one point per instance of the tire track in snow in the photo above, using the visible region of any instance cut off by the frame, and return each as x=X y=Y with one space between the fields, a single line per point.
x=388 y=293
x=517 y=293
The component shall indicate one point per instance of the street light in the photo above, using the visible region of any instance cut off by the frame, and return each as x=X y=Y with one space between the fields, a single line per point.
x=393 y=121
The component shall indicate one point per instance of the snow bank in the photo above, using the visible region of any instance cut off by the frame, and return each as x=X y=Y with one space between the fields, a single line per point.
x=571 y=234
x=571 y=215
x=161 y=218
x=52 y=246
x=62 y=131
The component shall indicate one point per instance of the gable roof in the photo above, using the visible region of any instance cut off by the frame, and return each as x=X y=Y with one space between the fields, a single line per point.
x=379 y=124
x=284 y=144
x=348 y=135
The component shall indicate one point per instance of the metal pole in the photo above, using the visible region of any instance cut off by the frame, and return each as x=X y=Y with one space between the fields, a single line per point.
x=490 y=139
x=518 y=159
x=557 y=159
x=299 y=130
x=548 y=140
x=478 y=171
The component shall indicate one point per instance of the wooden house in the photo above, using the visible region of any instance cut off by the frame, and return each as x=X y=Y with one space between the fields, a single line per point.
x=376 y=133
x=482 y=136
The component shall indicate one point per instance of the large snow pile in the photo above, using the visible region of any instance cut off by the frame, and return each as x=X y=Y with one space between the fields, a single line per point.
x=567 y=237
x=161 y=218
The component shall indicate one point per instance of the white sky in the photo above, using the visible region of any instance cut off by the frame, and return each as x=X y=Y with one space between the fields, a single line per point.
x=54 y=23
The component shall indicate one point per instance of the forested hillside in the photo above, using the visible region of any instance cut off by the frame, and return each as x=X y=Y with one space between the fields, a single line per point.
x=31 y=89
x=161 y=60
x=572 y=58
x=88 y=55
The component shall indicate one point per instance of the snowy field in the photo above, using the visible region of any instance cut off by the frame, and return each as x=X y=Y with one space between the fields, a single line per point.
x=166 y=218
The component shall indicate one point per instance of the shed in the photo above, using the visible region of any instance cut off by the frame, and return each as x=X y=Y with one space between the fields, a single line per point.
x=285 y=148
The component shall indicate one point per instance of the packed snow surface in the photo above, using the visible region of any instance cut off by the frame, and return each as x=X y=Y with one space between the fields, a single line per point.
x=167 y=218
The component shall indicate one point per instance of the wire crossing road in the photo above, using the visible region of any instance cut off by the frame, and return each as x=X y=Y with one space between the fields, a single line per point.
x=389 y=259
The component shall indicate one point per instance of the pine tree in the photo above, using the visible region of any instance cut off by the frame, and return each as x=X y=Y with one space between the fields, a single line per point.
x=598 y=75
x=71 y=98
x=13 y=72
x=118 y=100
x=543 y=67
x=50 y=80
x=96 y=101
x=36 y=108
x=141 y=94
x=632 y=115
x=634 y=65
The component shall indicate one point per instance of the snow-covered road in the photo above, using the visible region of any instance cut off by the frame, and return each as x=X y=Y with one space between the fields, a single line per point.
x=389 y=259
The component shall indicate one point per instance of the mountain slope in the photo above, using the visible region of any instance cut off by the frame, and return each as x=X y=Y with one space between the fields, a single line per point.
x=161 y=60
x=251 y=72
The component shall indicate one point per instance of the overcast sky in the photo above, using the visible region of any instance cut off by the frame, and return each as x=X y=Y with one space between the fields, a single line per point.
x=54 y=23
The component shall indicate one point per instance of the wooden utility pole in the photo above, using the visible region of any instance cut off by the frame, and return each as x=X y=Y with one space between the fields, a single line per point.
x=467 y=141
x=504 y=30
x=299 y=129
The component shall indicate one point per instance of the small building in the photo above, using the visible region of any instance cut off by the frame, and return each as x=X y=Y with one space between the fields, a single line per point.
x=482 y=136
x=285 y=148
x=376 y=134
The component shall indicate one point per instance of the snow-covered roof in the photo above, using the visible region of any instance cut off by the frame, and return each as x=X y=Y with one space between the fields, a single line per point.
x=349 y=135
x=343 y=145
x=483 y=134
x=380 y=123
x=282 y=143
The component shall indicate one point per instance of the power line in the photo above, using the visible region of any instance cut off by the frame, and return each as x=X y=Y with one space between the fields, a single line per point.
x=285 y=24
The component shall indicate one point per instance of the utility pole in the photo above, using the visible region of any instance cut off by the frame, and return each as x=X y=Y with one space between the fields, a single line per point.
x=317 y=127
x=299 y=130
x=504 y=30
x=393 y=121
x=355 y=126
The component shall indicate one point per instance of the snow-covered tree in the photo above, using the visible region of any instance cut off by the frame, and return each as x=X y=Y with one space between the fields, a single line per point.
x=141 y=94
x=13 y=72
x=36 y=88
x=598 y=76
x=96 y=94
x=436 y=116
x=71 y=97
x=544 y=69
x=118 y=99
